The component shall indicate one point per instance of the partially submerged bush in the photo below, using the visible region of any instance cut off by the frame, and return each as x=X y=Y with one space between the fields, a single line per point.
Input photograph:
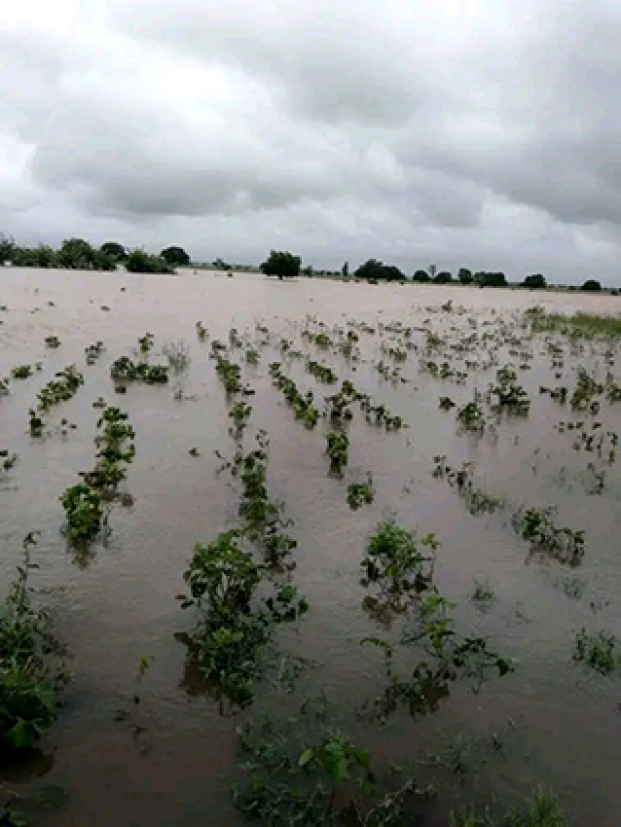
x=31 y=673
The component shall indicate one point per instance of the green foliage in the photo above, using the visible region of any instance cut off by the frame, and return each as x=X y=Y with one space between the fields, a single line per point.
x=302 y=404
x=396 y=559
x=76 y=254
x=360 y=493
x=83 y=511
x=31 y=673
x=537 y=526
x=510 y=395
x=471 y=416
x=139 y=261
x=224 y=576
x=321 y=372
x=421 y=276
x=21 y=372
x=282 y=264
x=374 y=270
x=443 y=277
x=577 y=325
x=591 y=286
x=465 y=276
x=337 y=447
x=229 y=374
x=601 y=651
x=52 y=341
x=114 y=251
x=60 y=389
x=175 y=256
x=543 y=810
x=125 y=370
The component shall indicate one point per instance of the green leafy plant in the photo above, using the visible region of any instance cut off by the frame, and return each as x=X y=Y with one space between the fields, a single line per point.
x=337 y=447
x=31 y=671
x=601 y=651
x=360 y=493
x=83 y=511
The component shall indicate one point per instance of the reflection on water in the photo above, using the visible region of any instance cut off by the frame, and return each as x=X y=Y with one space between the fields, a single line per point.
x=119 y=601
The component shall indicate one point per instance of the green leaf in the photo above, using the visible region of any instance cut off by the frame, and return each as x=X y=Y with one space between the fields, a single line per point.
x=306 y=757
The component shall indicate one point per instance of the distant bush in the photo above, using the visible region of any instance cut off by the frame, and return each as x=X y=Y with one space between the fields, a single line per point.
x=421 y=276
x=591 y=286
x=535 y=282
x=465 y=276
x=374 y=270
x=138 y=261
x=484 y=279
x=443 y=278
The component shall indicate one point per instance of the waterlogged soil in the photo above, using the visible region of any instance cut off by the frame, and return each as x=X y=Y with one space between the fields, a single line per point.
x=171 y=759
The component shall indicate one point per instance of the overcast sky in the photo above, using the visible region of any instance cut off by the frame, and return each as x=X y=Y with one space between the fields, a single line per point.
x=484 y=133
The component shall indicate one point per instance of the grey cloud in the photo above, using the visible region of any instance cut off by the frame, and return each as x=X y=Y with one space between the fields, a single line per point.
x=414 y=132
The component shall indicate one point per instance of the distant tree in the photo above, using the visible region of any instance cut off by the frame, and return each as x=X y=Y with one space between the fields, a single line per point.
x=465 y=276
x=535 y=282
x=42 y=256
x=220 y=264
x=484 y=279
x=345 y=270
x=443 y=278
x=114 y=251
x=591 y=286
x=7 y=249
x=138 y=261
x=175 y=256
x=432 y=270
x=308 y=271
x=103 y=261
x=76 y=254
x=282 y=264
x=421 y=276
x=374 y=270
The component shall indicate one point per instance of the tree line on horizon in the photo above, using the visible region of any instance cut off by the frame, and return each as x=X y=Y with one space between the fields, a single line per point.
x=286 y=265
x=79 y=254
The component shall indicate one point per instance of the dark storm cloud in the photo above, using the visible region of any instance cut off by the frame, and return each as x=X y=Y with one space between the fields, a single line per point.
x=459 y=131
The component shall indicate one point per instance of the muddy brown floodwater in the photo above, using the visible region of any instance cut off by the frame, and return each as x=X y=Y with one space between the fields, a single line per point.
x=552 y=720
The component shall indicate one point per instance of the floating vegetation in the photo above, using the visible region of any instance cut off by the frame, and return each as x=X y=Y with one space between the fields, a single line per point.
x=321 y=372
x=477 y=501
x=360 y=493
x=93 y=352
x=600 y=651
x=302 y=404
x=22 y=372
x=60 y=389
x=509 y=394
x=7 y=459
x=546 y=539
x=126 y=370
x=483 y=595
x=178 y=355
x=52 y=342
x=337 y=447
x=239 y=414
x=471 y=417
x=578 y=325
x=31 y=667
x=229 y=374
x=84 y=503
x=201 y=331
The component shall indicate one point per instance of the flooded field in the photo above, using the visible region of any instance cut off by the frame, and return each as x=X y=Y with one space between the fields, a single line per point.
x=422 y=486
